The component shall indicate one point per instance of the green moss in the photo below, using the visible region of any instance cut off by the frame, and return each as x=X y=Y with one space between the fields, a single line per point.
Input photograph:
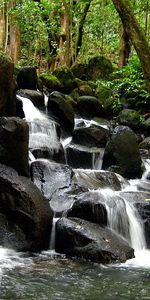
x=50 y=81
x=4 y=59
x=63 y=74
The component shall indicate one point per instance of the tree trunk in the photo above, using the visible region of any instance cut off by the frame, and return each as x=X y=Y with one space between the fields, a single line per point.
x=125 y=47
x=80 y=28
x=2 y=26
x=14 y=36
x=135 y=34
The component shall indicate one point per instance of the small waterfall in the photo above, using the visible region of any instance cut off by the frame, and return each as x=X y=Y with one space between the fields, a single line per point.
x=53 y=234
x=97 y=159
x=123 y=218
x=43 y=131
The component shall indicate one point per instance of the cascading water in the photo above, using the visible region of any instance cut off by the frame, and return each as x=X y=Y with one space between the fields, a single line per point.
x=42 y=130
x=123 y=218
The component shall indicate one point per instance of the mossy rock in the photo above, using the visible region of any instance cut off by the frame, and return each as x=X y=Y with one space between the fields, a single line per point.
x=63 y=74
x=99 y=67
x=80 y=71
x=88 y=106
x=146 y=127
x=103 y=92
x=145 y=144
x=129 y=117
x=50 y=81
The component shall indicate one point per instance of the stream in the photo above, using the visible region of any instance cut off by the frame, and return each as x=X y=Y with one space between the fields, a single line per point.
x=51 y=276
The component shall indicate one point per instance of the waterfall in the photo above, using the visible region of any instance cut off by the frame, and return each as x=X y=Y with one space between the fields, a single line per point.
x=123 y=218
x=43 y=131
x=53 y=234
x=97 y=159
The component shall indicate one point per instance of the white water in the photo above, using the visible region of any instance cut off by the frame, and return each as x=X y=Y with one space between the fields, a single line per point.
x=53 y=234
x=42 y=130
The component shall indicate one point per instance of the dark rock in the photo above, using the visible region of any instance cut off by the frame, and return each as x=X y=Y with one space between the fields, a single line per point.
x=19 y=109
x=49 y=177
x=83 y=157
x=144 y=212
x=88 y=106
x=88 y=206
x=122 y=151
x=145 y=144
x=80 y=71
x=11 y=236
x=61 y=110
x=76 y=237
x=146 y=127
x=129 y=117
x=7 y=87
x=37 y=98
x=46 y=153
x=94 y=136
x=51 y=82
x=14 y=137
x=99 y=67
x=24 y=206
x=27 y=78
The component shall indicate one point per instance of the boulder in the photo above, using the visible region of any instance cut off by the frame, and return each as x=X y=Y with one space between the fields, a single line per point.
x=144 y=212
x=88 y=206
x=25 y=208
x=130 y=117
x=93 y=179
x=146 y=126
x=145 y=144
x=99 y=67
x=7 y=87
x=50 y=177
x=19 y=109
x=66 y=78
x=61 y=111
x=36 y=97
x=79 y=71
x=76 y=237
x=14 y=138
x=94 y=136
x=27 y=78
x=79 y=156
x=122 y=151
x=88 y=106
x=51 y=82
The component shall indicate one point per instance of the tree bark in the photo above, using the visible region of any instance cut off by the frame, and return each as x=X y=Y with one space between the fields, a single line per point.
x=125 y=47
x=14 y=33
x=136 y=35
x=2 y=26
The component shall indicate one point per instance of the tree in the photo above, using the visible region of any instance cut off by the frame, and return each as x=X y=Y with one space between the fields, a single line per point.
x=136 y=35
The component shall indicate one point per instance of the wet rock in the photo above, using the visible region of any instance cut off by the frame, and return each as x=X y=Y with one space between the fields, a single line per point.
x=93 y=179
x=76 y=237
x=145 y=144
x=79 y=156
x=27 y=78
x=11 y=236
x=19 y=109
x=14 y=138
x=122 y=151
x=88 y=106
x=61 y=111
x=49 y=176
x=7 y=87
x=94 y=136
x=25 y=208
x=129 y=117
x=88 y=206
x=37 y=98
x=144 y=212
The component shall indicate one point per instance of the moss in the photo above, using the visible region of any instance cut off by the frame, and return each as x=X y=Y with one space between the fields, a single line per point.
x=50 y=81
x=129 y=117
x=99 y=67
x=63 y=74
x=4 y=59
